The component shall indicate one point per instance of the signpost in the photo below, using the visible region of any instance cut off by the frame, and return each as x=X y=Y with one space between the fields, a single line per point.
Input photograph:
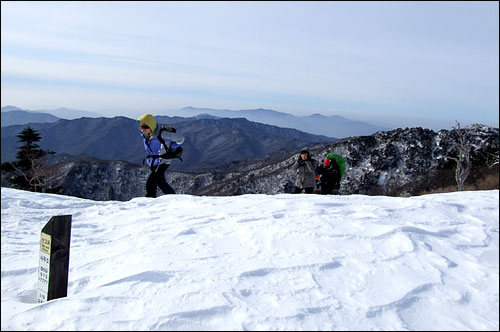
x=54 y=259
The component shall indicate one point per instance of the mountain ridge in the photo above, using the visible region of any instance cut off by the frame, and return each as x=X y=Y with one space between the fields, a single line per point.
x=209 y=142
x=333 y=125
x=401 y=162
x=61 y=113
x=316 y=124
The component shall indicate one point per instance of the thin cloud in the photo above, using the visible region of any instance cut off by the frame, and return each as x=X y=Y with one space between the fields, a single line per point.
x=306 y=56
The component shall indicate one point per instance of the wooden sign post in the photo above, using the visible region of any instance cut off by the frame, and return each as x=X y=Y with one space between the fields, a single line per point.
x=54 y=259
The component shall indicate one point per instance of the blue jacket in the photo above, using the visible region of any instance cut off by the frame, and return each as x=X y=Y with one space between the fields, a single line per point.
x=154 y=147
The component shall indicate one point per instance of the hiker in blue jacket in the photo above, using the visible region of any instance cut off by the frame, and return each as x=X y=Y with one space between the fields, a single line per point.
x=161 y=144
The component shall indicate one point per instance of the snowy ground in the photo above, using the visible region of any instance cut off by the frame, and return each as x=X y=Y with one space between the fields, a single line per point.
x=258 y=262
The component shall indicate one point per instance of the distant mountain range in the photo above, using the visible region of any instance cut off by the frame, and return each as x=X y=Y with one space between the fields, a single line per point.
x=215 y=139
x=15 y=117
x=12 y=115
x=210 y=143
x=316 y=124
x=331 y=126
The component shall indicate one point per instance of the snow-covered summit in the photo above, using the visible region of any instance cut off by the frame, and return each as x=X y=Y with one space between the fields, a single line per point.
x=258 y=262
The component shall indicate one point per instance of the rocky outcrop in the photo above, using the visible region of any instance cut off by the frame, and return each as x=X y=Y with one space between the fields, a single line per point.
x=400 y=162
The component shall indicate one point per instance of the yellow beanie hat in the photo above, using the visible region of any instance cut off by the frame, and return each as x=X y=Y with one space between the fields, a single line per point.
x=149 y=120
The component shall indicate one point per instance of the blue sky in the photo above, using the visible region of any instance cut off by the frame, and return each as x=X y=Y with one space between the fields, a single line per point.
x=409 y=63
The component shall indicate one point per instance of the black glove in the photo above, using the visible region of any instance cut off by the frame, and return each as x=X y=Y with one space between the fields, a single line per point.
x=178 y=152
x=301 y=161
x=169 y=128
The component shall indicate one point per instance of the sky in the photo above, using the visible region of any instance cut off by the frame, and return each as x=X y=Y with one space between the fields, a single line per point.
x=258 y=262
x=412 y=63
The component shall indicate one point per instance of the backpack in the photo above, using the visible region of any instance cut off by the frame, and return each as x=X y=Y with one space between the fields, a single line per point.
x=169 y=154
x=338 y=159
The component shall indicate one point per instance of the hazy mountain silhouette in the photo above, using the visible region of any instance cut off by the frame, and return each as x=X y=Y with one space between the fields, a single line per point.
x=331 y=126
x=62 y=112
x=209 y=142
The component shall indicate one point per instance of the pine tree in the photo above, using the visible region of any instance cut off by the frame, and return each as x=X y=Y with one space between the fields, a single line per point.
x=29 y=163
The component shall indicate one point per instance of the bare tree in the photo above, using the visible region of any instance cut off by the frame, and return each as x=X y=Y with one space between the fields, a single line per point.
x=463 y=159
x=31 y=169
x=40 y=174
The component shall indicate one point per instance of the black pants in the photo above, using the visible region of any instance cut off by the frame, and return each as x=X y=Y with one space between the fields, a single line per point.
x=307 y=190
x=157 y=179
x=330 y=189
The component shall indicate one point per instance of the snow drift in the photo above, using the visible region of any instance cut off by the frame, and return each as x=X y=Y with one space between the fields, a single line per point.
x=258 y=262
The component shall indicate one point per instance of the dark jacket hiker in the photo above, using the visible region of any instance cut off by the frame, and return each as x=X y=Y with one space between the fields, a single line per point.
x=330 y=176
